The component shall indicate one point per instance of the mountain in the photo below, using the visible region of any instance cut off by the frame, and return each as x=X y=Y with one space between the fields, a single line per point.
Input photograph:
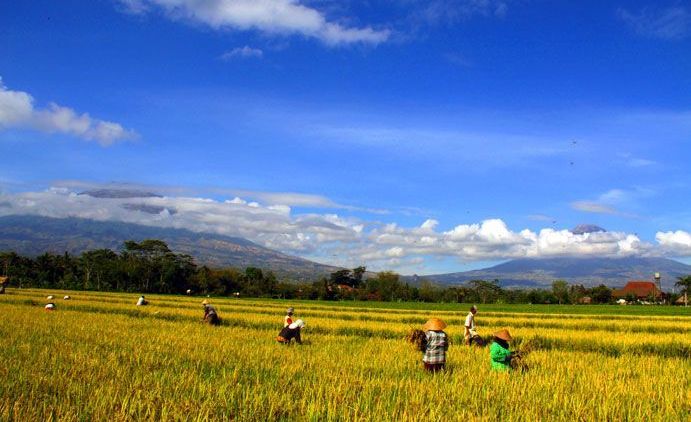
x=34 y=235
x=587 y=228
x=120 y=193
x=612 y=272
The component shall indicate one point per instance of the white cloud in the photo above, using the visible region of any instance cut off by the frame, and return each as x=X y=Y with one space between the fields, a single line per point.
x=17 y=111
x=269 y=16
x=451 y=11
x=671 y=23
x=246 y=52
x=610 y=201
x=335 y=239
x=675 y=243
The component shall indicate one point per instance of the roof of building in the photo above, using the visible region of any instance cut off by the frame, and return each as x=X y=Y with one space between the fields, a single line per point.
x=638 y=288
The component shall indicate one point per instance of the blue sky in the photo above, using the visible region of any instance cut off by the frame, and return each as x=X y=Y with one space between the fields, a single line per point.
x=419 y=136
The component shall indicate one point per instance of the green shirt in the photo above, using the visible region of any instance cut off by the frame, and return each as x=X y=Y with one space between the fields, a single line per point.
x=500 y=357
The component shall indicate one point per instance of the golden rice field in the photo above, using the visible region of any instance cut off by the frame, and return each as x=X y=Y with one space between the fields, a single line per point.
x=98 y=357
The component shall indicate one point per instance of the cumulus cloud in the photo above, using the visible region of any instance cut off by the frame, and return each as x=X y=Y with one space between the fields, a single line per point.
x=671 y=23
x=675 y=243
x=267 y=16
x=245 y=52
x=337 y=239
x=17 y=110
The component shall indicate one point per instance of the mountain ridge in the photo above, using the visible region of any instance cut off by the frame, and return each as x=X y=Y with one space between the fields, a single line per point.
x=541 y=272
x=33 y=235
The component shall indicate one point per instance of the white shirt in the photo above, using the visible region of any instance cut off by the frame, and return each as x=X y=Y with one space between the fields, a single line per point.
x=470 y=321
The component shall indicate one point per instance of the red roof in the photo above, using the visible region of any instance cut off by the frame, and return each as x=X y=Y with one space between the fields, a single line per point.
x=641 y=289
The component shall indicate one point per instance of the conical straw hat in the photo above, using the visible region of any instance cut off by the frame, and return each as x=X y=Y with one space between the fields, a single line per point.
x=504 y=335
x=434 y=324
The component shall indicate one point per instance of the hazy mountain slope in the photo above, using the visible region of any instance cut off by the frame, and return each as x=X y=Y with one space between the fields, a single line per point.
x=33 y=235
x=613 y=272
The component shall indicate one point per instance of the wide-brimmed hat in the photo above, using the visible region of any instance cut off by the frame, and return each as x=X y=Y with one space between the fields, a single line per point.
x=434 y=324
x=290 y=310
x=504 y=335
x=205 y=302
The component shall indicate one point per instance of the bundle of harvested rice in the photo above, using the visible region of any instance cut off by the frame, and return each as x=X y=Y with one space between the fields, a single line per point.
x=418 y=339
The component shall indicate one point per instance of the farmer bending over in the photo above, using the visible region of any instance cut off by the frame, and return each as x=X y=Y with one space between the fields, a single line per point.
x=210 y=315
x=437 y=345
x=142 y=301
x=499 y=353
x=290 y=332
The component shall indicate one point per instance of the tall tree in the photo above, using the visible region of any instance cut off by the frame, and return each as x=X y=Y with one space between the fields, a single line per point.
x=685 y=284
x=560 y=290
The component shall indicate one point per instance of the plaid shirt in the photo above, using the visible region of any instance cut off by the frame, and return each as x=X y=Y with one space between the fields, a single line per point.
x=437 y=345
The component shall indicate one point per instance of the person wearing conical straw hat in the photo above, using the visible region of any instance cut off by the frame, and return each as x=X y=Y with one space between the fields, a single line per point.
x=437 y=344
x=210 y=315
x=499 y=353
x=289 y=317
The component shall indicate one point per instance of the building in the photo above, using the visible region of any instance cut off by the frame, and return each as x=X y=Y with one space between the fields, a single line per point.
x=640 y=289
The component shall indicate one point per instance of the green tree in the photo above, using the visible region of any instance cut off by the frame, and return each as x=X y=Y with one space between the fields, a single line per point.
x=486 y=291
x=601 y=294
x=560 y=290
x=685 y=284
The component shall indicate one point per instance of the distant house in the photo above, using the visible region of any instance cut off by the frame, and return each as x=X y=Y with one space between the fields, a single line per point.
x=345 y=288
x=585 y=300
x=639 y=289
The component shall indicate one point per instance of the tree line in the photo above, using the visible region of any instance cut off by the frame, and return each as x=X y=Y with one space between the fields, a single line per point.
x=151 y=267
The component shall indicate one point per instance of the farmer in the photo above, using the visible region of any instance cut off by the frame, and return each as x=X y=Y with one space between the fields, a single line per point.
x=142 y=301
x=469 y=326
x=210 y=315
x=499 y=353
x=67 y=297
x=289 y=317
x=437 y=345
x=290 y=332
x=50 y=306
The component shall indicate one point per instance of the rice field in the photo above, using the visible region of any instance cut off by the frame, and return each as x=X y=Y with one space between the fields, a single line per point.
x=98 y=357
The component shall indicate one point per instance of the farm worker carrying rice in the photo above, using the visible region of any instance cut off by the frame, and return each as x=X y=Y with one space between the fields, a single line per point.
x=289 y=317
x=210 y=315
x=499 y=353
x=469 y=326
x=142 y=301
x=437 y=344
x=290 y=332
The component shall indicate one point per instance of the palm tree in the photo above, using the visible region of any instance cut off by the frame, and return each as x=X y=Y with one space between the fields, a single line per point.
x=685 y=284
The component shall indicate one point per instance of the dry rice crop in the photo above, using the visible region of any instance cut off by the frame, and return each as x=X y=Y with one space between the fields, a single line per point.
x=98 y=357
